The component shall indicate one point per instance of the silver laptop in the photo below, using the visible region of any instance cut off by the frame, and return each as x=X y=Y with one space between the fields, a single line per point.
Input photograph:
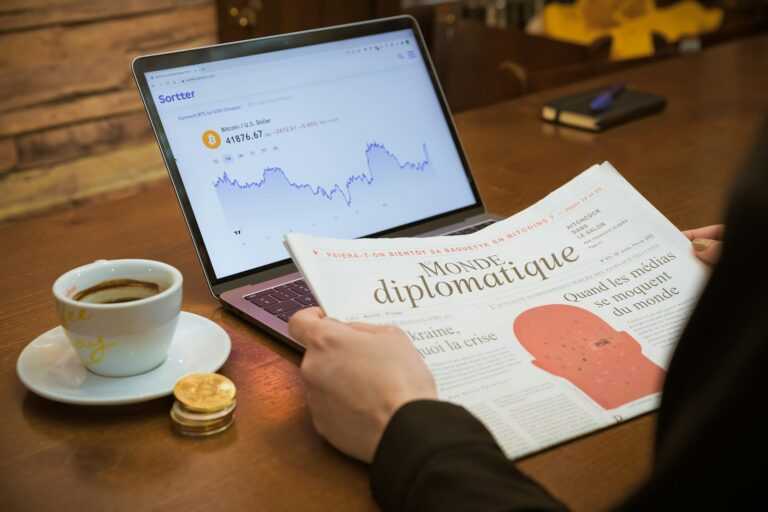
x=341 y=131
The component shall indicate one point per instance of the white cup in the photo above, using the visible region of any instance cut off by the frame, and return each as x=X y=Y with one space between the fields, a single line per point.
x=120 y=339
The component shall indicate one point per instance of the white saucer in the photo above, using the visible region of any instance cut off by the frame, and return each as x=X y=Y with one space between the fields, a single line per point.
x=50 y=368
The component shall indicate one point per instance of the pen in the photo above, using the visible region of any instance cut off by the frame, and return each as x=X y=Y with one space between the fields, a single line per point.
x=604 y=100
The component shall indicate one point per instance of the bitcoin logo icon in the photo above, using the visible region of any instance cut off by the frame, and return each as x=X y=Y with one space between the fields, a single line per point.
x=211 y=139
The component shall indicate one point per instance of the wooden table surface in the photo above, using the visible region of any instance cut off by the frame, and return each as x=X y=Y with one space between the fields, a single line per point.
x=63 y=457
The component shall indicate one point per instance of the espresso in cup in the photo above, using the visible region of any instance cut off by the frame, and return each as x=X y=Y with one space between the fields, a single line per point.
x=115 y=291
x=120 y=315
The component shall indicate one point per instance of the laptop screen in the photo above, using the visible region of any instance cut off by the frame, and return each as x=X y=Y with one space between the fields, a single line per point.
x=342 y=139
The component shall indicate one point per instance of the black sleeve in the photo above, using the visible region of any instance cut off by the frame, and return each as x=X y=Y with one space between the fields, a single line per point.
x=711 y=442
x=437 y=456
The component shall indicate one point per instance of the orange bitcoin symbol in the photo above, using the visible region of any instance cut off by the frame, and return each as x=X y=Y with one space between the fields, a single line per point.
x=211 y=139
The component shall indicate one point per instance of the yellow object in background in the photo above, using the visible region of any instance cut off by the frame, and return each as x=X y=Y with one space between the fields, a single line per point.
x=629 y=23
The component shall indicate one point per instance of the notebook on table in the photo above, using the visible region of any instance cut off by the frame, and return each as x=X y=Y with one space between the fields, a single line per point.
x=575 y=110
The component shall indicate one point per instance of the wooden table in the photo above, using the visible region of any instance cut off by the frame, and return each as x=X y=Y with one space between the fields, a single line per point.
x=63 y=457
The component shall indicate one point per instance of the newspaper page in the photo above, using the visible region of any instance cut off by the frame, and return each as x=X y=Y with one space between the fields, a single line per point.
x=550 y=324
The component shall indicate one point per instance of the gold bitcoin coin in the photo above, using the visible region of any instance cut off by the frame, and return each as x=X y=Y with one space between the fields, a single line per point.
x=204 y=392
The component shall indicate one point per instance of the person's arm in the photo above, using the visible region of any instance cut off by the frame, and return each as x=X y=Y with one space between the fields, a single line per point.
x=370 y=393
x=437 y=456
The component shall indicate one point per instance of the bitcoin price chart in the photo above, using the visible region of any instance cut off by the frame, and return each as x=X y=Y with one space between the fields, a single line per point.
x=346 y=142
x=372 y=200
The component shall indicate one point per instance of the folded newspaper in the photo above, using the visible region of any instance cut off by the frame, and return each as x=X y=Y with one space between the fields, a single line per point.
x=550 y=324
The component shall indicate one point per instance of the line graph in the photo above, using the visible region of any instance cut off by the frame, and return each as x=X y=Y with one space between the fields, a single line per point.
x=376 y=156
x=384 y=191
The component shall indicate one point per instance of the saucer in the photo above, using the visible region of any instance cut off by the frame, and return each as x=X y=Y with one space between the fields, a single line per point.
x=50 y=367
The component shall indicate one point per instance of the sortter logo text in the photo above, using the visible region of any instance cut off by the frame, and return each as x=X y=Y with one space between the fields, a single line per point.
x=179 y=96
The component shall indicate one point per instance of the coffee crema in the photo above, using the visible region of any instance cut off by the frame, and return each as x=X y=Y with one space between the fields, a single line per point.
x=116 y=291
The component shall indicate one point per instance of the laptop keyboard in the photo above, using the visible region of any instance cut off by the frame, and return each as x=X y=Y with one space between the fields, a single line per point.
x=284 y=300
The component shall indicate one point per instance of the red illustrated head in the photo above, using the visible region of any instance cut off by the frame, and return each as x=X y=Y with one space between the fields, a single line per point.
x=579 y=346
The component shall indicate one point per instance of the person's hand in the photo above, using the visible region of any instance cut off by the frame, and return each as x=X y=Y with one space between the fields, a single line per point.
x=357 y=375
x=707 y=242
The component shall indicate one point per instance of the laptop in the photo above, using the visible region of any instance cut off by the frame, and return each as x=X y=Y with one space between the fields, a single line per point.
x=341 y=132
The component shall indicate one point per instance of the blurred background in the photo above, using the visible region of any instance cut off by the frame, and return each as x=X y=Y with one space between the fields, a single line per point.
x=72 y=127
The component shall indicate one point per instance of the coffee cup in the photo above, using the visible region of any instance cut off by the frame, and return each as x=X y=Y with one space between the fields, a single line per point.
x=120 y=315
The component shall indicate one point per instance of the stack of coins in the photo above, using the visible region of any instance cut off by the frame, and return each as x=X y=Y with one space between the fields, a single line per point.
x=205 y=404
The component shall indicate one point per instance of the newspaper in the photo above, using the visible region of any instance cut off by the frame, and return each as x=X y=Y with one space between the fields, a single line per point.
x=550 y=324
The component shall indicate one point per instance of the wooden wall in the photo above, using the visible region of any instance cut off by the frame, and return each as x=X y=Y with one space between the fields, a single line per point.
x=242 y=19
x=71 y=122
